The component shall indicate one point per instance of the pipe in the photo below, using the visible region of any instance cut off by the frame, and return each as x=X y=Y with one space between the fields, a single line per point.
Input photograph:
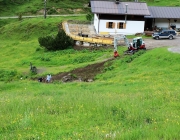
x=126 y=13
x=98 y=23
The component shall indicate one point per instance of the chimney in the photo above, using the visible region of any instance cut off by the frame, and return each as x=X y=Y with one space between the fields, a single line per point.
x=117 y=1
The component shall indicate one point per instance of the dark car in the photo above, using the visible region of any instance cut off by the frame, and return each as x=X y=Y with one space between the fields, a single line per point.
x=165 y=34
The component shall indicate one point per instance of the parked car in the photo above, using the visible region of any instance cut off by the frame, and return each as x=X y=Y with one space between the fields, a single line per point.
x=164 y=34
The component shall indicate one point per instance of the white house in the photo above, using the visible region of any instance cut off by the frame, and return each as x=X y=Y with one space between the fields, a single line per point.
x=114 y=17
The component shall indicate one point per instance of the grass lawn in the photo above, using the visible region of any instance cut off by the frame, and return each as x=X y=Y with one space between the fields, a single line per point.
x=36 y=7
x=137 y=97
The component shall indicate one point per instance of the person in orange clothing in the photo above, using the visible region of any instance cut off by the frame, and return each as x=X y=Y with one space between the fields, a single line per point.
x=116 y=54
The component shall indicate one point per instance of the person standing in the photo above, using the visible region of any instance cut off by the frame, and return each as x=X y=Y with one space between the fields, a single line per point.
x=48 y=78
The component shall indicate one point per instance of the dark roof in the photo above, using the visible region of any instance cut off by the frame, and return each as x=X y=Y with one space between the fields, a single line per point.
x=110 y=7
x=164 y=12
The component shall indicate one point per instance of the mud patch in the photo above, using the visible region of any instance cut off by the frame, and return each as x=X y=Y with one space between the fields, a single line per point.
x=85 y=74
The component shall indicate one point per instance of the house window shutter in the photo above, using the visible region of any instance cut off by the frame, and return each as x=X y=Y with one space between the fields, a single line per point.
x=107 y=24
x=124 y=26
x=113 y=25
x=118 y=25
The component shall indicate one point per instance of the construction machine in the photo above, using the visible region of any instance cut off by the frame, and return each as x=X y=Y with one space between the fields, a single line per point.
x=136 y=44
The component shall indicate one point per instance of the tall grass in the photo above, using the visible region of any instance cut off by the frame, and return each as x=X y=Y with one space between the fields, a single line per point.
x=137 y=100
x=32 y=28
x=137 y=97
x=37 y=6
x=20 y=48
x=61 y=6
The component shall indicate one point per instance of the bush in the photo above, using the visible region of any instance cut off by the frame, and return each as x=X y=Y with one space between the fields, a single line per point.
x=89 y=15
x=60 y=42
x=46 y=42
x=51 y=11
x=7 y=75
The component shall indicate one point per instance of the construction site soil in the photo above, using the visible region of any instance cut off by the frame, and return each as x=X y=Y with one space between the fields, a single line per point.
x=85 y=74
x=88 y=73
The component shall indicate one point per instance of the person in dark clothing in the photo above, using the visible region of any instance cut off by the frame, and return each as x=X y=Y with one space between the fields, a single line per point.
x=40 y=79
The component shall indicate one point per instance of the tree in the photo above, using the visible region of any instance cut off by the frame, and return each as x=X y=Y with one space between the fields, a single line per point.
x=60 y=42
x=46 y=42
x=89 y=15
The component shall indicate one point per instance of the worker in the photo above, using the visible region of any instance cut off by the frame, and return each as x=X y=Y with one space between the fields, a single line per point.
x=48 y=78
x=40 y=79
x=116 y=54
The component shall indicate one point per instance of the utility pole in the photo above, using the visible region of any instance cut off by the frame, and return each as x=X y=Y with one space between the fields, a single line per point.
x=126 y=13
x=44 y=8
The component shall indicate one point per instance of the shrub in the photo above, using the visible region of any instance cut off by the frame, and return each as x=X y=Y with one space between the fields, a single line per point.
x=89 y=15
x=7 y=75
x=20 y=17
x=51 y=11
x=60 y=42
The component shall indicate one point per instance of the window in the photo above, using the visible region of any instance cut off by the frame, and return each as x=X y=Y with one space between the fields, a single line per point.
x=121 y=25
x=172 y=32
x=110 y=25
x=165 y=32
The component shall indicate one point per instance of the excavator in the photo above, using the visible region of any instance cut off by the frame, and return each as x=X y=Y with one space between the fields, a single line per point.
x=137 y=44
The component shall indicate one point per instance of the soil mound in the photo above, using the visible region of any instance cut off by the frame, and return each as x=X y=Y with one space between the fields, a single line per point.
x=85 y=74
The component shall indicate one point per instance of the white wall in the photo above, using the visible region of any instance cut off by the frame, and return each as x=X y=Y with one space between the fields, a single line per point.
x=164 y=23
x=132 y=27
x=96 y=21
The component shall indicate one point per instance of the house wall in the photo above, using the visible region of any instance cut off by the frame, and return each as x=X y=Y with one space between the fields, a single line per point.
x=164 y=23
x=132 y=27
x=96 y=21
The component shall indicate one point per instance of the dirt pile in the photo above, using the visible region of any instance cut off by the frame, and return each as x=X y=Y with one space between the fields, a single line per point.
x=85 y=74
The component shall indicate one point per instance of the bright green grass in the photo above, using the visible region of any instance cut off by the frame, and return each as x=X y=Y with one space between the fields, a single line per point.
x=20 y=47
x=66 y=6
x=33 y=7
x=137 y=100
x=163 y=3
x=33 y=27
x=137 y=97
x=17 y=56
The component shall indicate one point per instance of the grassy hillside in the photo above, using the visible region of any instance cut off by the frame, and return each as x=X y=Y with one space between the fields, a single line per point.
x=137 y=97
x=34 y=7
x=132 y=101
x=19 y=41
x=31 y=28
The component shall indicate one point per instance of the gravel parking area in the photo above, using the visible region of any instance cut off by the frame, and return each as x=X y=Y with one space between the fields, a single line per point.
x=174 y=45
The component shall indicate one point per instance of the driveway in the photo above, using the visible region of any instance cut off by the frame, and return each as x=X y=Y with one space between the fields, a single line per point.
x=174 y=45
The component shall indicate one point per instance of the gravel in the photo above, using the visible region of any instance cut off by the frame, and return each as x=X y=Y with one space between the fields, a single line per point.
x=173 y=45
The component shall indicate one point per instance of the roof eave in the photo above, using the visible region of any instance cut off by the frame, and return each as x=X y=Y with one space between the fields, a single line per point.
x=120 y=14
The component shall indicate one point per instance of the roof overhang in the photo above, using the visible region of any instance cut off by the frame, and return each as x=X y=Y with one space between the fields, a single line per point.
x=164 y=12
x=123 y=8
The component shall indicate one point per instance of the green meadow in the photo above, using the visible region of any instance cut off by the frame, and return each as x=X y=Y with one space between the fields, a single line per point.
x=36 y=7
x=135 y=98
